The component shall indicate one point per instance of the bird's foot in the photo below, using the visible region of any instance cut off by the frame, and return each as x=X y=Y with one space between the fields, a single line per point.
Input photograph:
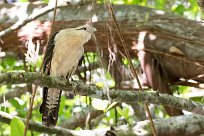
x=157 y=93
x=60 y=77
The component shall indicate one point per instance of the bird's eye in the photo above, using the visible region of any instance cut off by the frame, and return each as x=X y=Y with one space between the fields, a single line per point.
x=82 y=28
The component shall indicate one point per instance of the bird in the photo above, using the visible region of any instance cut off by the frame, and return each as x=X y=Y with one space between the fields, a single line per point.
x=63 y=54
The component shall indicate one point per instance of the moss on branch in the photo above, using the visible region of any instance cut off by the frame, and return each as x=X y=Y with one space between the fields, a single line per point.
x=80 y=88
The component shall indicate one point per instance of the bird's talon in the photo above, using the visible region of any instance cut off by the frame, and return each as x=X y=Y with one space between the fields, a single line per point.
x=157 y=93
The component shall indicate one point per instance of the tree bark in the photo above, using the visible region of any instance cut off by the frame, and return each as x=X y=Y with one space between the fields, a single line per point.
x=173 y=29
x=17 y=92
x=79 y=120
x=187 y=125
x=94 y=91
x=201 y=4
x=176 y=42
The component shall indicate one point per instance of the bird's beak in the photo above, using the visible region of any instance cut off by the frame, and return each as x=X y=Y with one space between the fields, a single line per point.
x=94 y=29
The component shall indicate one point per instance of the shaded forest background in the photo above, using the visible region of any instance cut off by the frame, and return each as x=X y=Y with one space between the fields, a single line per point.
x=164 y=39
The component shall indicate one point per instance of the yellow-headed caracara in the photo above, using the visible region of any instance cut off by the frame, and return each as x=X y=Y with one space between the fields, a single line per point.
x=64 y=51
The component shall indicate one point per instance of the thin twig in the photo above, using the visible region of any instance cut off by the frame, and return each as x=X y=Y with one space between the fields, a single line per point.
x=100 y=52
x=35 y=89
x=132 y=67
x=29 y=110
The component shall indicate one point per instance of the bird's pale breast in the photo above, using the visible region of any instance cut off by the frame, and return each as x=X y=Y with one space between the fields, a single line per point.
x=66 y=56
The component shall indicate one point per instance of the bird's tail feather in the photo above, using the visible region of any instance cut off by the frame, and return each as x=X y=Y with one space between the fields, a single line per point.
x=50 y=106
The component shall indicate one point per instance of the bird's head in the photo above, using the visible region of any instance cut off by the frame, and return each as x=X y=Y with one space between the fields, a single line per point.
x=86 y=31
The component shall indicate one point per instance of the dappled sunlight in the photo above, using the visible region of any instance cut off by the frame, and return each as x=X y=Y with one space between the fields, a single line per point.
x=160 y=12
x=94 y=18
x=32 y=52
x=35 y=29
x=140 y=41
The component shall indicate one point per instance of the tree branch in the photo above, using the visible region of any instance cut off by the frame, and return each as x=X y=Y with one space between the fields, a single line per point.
x=167 y=27
x=11 y=94
x=35 y=126
x=201 y=4
x=93 y=91
x=180 y=125
x=162 y=28
x=79 y=120
x=20 y=23
x=186 y=125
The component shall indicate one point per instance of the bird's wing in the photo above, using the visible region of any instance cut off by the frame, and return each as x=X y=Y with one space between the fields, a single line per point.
x=48 y=54
x=80 y=61
x=46 y=70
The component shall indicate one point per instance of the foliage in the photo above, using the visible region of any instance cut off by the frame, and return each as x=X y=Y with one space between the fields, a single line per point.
x=17 y=127
x=188 y=8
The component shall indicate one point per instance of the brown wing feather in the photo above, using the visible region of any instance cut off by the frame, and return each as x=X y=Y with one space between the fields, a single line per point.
x=80 y=61
x=49 y=116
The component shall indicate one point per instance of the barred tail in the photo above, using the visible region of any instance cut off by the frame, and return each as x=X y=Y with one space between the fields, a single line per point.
x=50 y=106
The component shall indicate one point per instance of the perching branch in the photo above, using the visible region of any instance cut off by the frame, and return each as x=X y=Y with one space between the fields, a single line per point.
x=93 y=91
x=180 y=125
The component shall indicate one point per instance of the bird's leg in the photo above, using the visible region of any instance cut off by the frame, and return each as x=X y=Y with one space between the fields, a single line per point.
x=71 y=93
x=60 y=78
x=157 y=92
x=69 y=78
x=70 y=73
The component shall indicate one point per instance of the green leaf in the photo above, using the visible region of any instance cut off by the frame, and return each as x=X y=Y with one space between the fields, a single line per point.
x=112 y=118
x=123 y=112
x=126 y=112
x=23 y=0
x=17 y=127
x=133 y=1
x=62 y=105
x=198 y=99
x=46 y=1
x=99 y=104
x=15 y=103
x=120 y=111
x=160 y=4
x=111 y=106
x=180 y=9
x=125 y=61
